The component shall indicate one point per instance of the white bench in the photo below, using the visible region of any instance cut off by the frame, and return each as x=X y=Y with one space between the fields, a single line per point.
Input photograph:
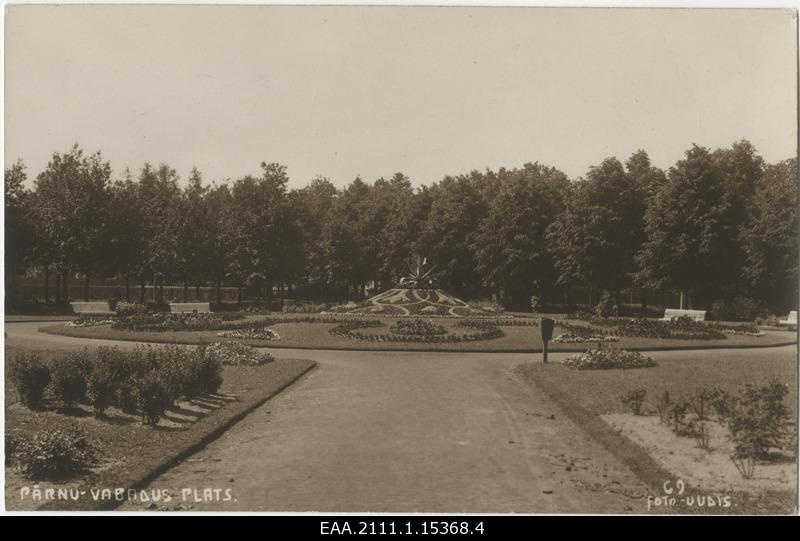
x=96 y=308
x=181 y=307
x=674 y=313
x=791 y=319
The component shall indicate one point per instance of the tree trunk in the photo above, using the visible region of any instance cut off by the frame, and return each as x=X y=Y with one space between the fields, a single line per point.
x=197 y=291
x=65 y=277
x=141 y=290
x=127 y=288
x=239 y=295
x=185 y=290
x=58 y=288
x=219 y=291
x=86 y=286
x=46 y=285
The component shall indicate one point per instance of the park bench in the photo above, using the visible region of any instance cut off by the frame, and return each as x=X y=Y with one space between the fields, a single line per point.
x=674 y=313
x=95 y=308
x=791 y=320
x=181 y=307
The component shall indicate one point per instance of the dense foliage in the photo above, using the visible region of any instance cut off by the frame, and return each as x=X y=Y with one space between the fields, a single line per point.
x=145 y=380
x=719 y=226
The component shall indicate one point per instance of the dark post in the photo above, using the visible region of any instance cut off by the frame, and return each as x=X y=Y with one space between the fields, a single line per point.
x=546 y=326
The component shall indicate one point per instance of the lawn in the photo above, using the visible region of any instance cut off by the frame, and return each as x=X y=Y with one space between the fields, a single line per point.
x=599 y=390
x=587 y=395
x=317 y=336
x=132 y=453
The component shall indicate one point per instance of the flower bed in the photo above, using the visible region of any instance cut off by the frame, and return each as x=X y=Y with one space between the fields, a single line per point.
x=235 y=353
x=682 y=328
x=573 y=339
x=254 y=333
x=608 y=358
x=485 y=331
x=417 y=327
x=162 y=321
x=89 y=321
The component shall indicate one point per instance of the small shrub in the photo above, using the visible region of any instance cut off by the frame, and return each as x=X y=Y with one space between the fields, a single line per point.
x=634 y=399
x=209 y=373
x=127 y=309
x=677 y=416
x=756 y=419
x=153 y=398
x=68 y=379
x=700 y=401
x=699 y=430
x=55 y=453
x=664 y=406
x=30 y=375
x=535 y=304
x=126 y=395
x=102 y=382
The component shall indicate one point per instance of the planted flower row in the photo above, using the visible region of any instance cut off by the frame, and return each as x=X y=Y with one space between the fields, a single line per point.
x=417 y=327
x=486 y=331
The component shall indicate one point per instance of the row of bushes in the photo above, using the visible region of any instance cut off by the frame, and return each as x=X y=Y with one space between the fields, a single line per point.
x=755 y=415
x=145 y=380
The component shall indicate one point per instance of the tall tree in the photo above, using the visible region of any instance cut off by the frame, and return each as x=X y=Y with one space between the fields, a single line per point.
x=456 y=209
x=691 y=230
x=74 y=202
x=160 y=197
x=510 y=246
x=769 y=238
x=596 y=237
x=196 y=234
x=18 y=229
x=127 y=231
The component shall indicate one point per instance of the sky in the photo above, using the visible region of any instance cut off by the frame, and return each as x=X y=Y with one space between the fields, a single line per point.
x=369 y=91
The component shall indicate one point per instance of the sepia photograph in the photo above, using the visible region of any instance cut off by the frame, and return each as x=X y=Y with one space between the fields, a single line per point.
x=400 y=269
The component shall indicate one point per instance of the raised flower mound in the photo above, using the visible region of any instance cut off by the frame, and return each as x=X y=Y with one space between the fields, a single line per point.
x=608 y=358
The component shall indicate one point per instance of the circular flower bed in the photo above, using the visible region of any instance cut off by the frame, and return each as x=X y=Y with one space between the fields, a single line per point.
x=608 y=358
x=254 y=333
x=417 y=327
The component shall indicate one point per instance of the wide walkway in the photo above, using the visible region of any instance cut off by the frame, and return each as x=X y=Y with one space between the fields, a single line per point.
x=404 y=432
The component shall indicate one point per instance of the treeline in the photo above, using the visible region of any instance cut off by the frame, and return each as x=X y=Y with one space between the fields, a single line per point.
x=718 y=225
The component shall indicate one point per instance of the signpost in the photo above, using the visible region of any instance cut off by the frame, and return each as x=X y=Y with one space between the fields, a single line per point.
x=546 y=325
